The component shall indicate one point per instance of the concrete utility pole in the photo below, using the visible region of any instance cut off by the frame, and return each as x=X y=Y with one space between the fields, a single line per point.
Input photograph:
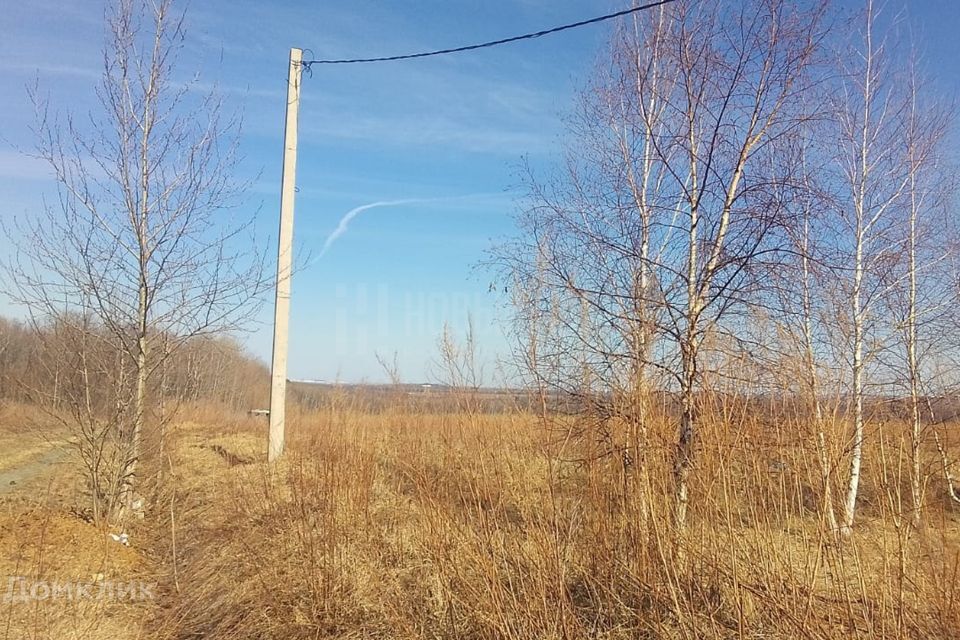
x=281 y=317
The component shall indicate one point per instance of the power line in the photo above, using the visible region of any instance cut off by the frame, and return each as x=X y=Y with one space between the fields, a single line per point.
x=527 y=36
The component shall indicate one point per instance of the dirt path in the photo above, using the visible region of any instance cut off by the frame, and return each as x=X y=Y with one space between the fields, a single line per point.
x=35 y=467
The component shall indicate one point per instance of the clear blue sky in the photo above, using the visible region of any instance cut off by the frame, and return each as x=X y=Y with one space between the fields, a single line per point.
x=450 y=131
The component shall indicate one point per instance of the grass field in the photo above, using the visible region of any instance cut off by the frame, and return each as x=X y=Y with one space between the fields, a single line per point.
x=405 y=524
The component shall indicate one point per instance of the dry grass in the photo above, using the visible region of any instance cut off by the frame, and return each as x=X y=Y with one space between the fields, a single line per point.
x=405 y=524
x=411 y=525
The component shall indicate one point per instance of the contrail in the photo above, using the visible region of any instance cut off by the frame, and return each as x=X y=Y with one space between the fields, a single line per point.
x=353 y=213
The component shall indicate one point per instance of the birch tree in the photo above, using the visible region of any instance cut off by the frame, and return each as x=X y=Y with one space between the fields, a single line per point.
x=140 y=242
x=671 y=199
x=925 y=295
x=871 y=117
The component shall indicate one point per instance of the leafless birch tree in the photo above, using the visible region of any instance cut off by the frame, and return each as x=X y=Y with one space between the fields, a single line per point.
x=140 y=243
x=872 y=179
x=925 y=294
x=672 y=197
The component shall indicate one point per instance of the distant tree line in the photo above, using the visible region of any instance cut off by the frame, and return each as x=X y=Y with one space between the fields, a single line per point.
x=35 y=366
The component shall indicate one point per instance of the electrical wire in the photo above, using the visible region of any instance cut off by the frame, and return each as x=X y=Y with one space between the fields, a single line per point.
x=527 y=36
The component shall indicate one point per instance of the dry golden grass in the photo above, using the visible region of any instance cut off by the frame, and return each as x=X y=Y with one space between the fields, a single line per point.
x=407 y=525
x=404 y=524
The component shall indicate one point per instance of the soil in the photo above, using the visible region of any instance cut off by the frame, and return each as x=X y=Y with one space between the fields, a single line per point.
x=31 y=470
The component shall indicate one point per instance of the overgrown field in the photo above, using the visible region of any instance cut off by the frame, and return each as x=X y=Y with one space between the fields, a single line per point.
x=404 y=524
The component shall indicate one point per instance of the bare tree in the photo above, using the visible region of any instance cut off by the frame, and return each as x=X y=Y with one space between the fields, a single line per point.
x=923 y=302
x=868 y=188
x=867 y=276
x=140 y=243
x=673 y=198
x=457 y=366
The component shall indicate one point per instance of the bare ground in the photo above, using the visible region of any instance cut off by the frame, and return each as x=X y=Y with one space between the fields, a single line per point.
x=37 y=466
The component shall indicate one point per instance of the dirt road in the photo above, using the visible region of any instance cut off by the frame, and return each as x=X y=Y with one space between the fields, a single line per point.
x=33 y=468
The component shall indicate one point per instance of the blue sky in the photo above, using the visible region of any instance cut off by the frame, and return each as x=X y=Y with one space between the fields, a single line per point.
x=447 y=133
